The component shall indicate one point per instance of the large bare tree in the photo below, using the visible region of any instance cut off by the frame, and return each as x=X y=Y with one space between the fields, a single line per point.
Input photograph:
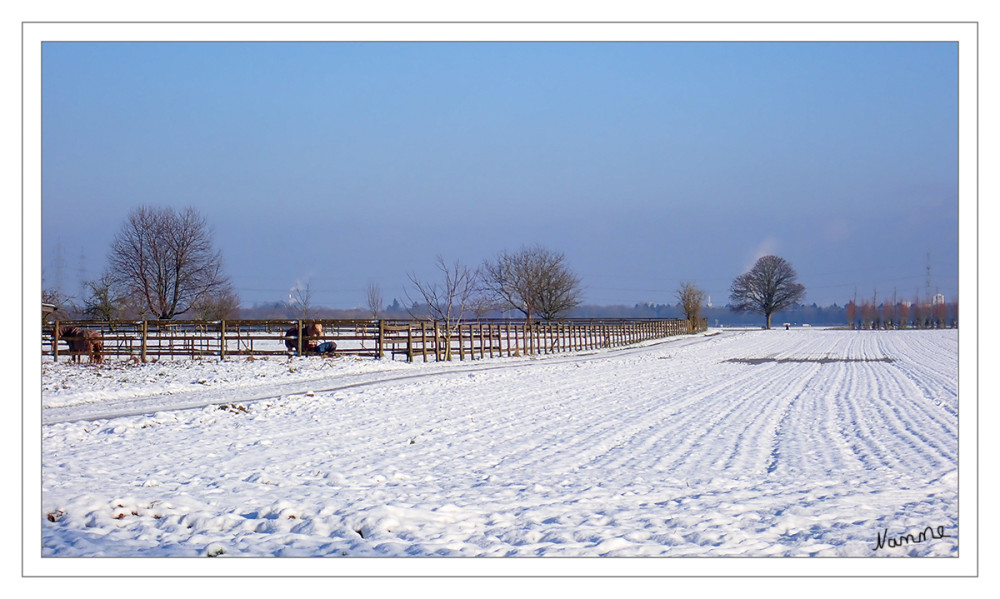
x=769 y=287
x=534 y=281
x=164 y=260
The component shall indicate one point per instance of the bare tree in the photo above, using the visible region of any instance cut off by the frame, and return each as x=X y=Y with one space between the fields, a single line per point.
x=533 y=280
x=876 y=318
x=893 y=313
x=222 y=305
x=481 y=304
x=101 y=301
x=888 y=315
x=920 y=313
x=446 y=301
x=64 y=306
x=769 y=287
x=165 y=260
x=852 y=313
x=867 y=315
x=300 y=299
x=691 y=298
x=940 y=311
x=373 y=299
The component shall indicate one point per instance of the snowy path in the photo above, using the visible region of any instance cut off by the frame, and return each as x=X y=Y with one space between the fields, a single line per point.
x=755 y=443
x=146 y=393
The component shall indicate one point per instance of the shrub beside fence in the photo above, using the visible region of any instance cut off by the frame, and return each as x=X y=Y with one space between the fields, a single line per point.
x=423 y=340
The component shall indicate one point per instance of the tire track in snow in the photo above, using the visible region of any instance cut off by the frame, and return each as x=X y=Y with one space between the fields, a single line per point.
x=932 y=368
x=598 y=430
x=542 y=427
x=873 y=428
x=820 y=443
x=910 y=433
x=914 y=428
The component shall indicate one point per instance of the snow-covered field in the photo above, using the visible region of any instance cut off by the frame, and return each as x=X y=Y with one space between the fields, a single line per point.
x=805 y=442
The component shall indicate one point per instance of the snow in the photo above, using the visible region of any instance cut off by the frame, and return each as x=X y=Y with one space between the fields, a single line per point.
x=805 y=442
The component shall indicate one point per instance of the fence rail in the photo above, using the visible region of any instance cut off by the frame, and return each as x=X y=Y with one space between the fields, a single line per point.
x=415 y=340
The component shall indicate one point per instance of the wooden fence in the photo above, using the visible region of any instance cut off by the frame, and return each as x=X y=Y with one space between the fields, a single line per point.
x=423 y=340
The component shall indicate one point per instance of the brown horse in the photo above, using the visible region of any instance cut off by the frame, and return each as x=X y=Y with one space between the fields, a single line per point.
x=96 y=349
x=310 y=334
x=82 y=341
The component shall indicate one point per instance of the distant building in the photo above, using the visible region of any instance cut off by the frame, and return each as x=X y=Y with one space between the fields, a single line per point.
x=937 y=299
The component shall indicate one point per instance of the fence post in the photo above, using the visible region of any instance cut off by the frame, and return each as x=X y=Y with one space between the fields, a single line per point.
x=143 y=345
x=55 y=341
x=409 y=343
x=381 y=338
x=299 y=323
x=423 y=338
x=222 y=339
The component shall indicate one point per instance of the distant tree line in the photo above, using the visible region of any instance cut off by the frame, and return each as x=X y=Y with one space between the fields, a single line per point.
x=162 y=265
x=931 y=313
x=719 y=315
x=832 y=315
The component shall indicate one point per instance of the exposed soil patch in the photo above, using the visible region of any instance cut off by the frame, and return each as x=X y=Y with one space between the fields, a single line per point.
x=824 y=360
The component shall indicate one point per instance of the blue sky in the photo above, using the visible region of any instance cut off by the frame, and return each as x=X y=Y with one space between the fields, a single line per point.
x=647 y=164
